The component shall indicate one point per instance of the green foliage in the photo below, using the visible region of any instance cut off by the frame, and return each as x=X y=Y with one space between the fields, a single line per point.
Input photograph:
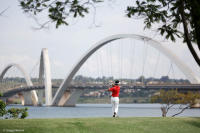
x=24 y=113
x=2 y=108
x=15 y=113
x=58 y=10
x=175 y=97
x=166 y=97
x=166 y=12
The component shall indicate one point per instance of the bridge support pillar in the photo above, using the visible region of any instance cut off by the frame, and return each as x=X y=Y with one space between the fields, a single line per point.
x=30 y=98
x=27 y=98
x=40 y=97
x=70 y=98
x=22 y=98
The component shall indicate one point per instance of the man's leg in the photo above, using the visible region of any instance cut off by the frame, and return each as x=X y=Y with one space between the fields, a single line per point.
x=116 y=105
x=113 y=107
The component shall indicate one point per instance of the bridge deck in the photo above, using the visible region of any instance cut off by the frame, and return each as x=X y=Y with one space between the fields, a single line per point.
x=183 y=88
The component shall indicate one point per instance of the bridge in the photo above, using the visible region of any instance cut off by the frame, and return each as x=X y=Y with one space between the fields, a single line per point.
x=67 y=94
x=81 y=88
x=181 y=88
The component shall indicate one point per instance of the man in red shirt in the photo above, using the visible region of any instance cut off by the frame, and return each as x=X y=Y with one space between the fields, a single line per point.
x=115 y=97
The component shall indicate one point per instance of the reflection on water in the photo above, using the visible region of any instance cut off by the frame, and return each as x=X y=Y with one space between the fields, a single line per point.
x=103 y=110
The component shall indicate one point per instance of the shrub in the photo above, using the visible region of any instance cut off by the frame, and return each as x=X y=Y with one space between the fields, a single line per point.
x=12 y=113
x=2 y=108
x=17 y=113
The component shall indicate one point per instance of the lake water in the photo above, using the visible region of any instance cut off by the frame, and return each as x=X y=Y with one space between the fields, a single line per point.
x=103 y=110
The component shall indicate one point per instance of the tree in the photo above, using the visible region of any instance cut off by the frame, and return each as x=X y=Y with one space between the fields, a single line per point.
x=171 y=14
x=58 y=10
x=12 y=113
x=170 y=98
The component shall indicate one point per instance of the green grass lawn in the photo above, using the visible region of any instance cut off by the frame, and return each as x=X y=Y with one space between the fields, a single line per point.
x=103 y=125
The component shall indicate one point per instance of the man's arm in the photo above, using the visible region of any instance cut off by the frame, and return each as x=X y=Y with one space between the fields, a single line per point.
x=110 y=89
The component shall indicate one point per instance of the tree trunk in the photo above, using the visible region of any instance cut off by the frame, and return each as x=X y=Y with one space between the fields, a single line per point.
x=195 y=14
x=164 y=111
x=186 y=33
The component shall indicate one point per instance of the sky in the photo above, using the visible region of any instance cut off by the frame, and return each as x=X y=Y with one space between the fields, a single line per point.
x=21 y=43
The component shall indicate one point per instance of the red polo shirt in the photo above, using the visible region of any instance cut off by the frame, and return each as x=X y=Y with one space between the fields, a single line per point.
x=115 y=91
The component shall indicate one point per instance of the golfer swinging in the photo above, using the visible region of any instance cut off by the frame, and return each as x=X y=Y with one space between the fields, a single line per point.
x=115 y=97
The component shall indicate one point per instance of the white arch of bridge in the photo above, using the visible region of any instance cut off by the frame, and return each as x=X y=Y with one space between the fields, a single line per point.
x=44 y=71
x=157 y=45
x=27 y=79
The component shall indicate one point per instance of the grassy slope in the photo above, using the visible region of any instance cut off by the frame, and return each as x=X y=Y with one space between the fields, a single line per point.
x=104 y=125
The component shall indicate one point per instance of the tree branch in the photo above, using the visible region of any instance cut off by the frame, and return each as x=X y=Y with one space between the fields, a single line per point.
x=170 y=107
x=181 y=111
x=1 y=13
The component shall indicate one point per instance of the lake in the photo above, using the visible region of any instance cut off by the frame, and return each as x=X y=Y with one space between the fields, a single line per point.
x=103 y=110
